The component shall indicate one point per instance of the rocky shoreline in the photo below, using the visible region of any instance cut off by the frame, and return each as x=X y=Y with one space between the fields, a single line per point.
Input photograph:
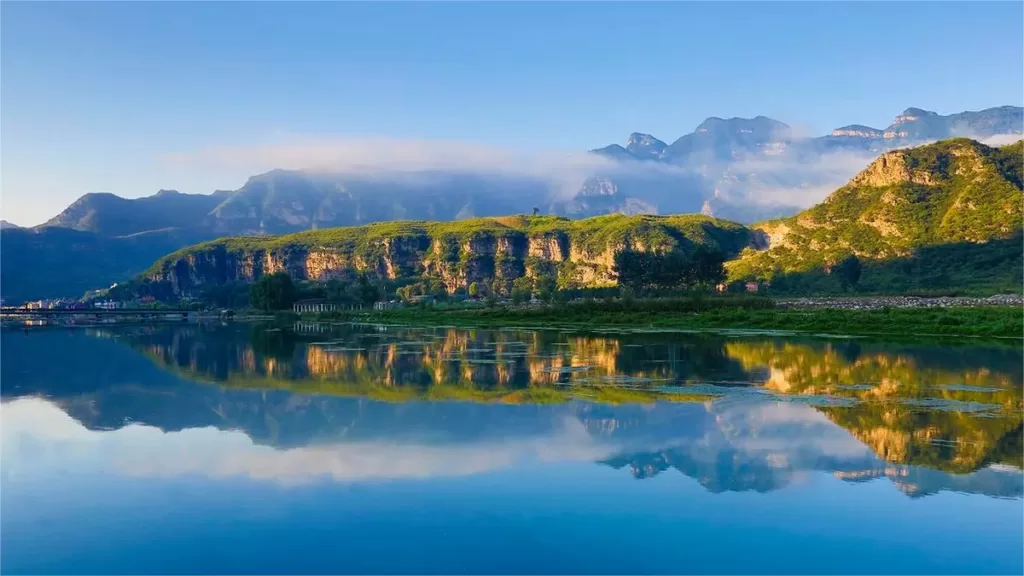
x=879 y=302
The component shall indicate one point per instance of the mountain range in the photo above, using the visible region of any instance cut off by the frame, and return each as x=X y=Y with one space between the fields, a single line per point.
x=742 y=169
x=709 y=165
x=940 y=217
x=757 y=168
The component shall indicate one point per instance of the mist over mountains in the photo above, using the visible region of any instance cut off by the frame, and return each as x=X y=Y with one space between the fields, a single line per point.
x=755 y=168
x=742 y=169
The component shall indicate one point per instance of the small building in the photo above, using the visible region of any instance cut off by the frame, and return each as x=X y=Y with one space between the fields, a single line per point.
x=751 y=287
x=314 y=305
x=721 y=288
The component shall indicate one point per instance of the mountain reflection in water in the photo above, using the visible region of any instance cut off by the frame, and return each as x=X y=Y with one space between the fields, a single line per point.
x=356 y=403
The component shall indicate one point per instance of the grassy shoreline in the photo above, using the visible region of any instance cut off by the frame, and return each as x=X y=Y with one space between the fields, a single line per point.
x=995 y=322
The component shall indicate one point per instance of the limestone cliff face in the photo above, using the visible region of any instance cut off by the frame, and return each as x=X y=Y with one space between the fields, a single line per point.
x=481 y=260
x=493 y=253
x=549 y=247
x=891 y=168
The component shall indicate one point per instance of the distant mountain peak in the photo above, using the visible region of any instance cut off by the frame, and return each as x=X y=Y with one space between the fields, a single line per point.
x=709 y=123
x=615 y=152
x=858 y=130
x=5 y=225
x=641 y=138
x=912 y=111
x=163 y=192
x=912 y=115
x=757 y=124
x=645 y=146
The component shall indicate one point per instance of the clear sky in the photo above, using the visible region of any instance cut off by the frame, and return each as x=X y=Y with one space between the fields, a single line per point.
x=110 y=96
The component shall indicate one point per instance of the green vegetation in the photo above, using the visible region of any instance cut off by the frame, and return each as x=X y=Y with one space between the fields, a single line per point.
x=954 y=205
x=595 y=233
x=962 y=268
x=483 y=248
x=272 y=292
x=642 y=271
x=732 y=313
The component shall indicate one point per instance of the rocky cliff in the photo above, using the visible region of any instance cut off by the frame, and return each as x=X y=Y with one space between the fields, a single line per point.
x=947 y=214
x=579 y=253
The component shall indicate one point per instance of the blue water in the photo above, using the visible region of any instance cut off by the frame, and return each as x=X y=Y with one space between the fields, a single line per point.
x=176 y=450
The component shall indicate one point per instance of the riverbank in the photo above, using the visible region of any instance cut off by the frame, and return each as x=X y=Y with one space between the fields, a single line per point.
x=941 y=322
x=879 y=302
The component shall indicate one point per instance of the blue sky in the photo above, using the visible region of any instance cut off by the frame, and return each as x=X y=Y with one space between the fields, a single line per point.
x=125 y=97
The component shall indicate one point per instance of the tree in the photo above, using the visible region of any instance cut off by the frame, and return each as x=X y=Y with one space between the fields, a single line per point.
x=848 y=271
x=706 y=267
x=631 y=269
x=272 y=292
x=437 y=289
x=547 y=287
x=368 y=292
x=522 y=289
x=536 y=210
x=404 y=293
x=638 y=271
x=497 y=287
x=474 y=290
x=341 y=292
x=668 y=271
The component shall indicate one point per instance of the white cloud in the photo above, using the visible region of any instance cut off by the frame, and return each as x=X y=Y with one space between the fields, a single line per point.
x=38 y=438
x=1001 y=139
x=386 y=158
x=784 y=178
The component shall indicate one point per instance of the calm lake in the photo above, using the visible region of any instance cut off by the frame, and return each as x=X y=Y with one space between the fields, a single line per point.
x=245 y=448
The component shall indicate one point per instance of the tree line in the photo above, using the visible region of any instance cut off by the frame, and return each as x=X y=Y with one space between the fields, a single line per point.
x=641 y=272
x=278 y=292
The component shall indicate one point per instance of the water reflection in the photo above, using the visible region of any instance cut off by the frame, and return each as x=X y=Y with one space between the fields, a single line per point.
x=358 y=403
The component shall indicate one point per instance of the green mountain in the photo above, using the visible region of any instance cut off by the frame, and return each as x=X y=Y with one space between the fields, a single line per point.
x=942 y=216
x=457 y=254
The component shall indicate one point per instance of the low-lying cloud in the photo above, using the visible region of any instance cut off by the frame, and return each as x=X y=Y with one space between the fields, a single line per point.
x=794 y=178
x=389 y=159
x=1001 y=139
